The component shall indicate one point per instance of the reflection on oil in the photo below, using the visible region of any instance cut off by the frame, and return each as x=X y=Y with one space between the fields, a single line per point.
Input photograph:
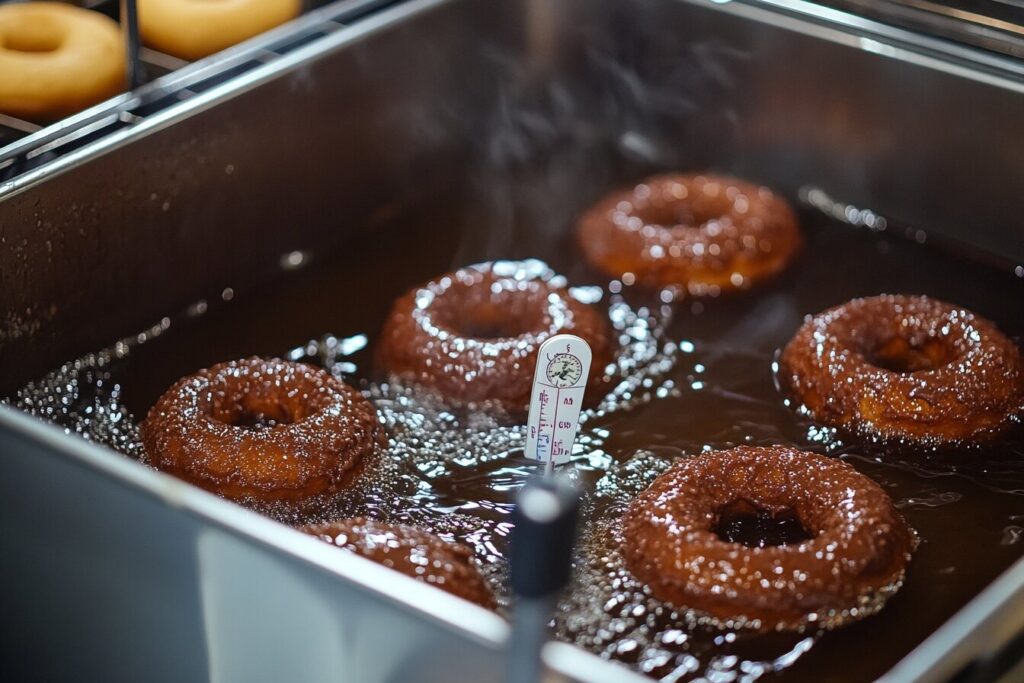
x=691 y=376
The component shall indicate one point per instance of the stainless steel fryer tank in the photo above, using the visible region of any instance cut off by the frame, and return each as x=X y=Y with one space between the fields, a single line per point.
x=121 y=573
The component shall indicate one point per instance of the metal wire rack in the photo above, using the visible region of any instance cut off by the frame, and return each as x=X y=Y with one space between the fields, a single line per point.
x=167 y=80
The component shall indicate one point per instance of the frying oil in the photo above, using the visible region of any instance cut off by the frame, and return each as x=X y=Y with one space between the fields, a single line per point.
x=691 y=375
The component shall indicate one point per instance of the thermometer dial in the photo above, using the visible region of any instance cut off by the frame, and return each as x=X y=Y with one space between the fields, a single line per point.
x=564 y=370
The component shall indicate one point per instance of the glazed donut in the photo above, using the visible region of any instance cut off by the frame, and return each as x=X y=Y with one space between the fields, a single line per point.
x=56 y=59
x=706 y=233
x=855 y=555
x=473 y=335
x=414 y=552
x=191 y=29
x=262 y=429
x=907 y=368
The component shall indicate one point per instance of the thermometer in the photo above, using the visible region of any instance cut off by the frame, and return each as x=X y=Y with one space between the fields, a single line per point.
x=563 y=363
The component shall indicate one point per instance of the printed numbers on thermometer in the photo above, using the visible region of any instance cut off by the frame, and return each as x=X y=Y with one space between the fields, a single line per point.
x=563 y=363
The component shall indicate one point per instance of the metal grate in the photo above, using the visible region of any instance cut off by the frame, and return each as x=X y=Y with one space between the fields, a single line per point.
x=27 y=146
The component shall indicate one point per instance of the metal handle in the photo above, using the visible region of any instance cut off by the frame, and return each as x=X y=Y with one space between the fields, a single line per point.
x=134 y=72
x=1002 y=666
x=540 y=564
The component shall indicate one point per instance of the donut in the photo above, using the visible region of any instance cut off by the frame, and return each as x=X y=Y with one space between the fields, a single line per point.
x=414 y=552
x=905 y=368
x=56 y=59
x=707 y=234
x=853 y=556
x=191 y=29
x=265 y=430
x=473 y=335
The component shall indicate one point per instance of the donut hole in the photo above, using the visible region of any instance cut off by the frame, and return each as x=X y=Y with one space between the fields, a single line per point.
x=678 y=214
x=740 y=521
x=504 y=314
x=255 y=414
x=901 y=355
x=484 y=328
x=33 y=39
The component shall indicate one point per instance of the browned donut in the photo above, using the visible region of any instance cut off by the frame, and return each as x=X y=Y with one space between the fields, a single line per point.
x=473 y=335
x=906 y=367
x=263 y=429
x=857 y=549
x=707 y=233
x=414 y=552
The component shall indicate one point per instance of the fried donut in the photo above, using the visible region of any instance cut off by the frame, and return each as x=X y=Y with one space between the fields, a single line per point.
x=56 y=59
x=907 y=368
x=191 y=29
x=262 y=429
x=706 y=233
x=855 y=555
x=414 y=552
x=473 y=335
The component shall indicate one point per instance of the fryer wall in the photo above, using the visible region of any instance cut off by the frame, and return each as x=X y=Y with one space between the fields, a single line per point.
x=522 y=112
x=107 y=585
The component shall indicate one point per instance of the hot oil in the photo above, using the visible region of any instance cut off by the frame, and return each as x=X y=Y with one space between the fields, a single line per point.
x=694 y=375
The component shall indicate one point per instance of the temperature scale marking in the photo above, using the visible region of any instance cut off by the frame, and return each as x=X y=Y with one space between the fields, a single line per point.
x=559 y=381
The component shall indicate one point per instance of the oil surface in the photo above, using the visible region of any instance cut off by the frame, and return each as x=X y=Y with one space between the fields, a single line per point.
x=692 y=375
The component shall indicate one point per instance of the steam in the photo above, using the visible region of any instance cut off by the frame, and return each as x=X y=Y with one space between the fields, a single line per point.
x=560 y=131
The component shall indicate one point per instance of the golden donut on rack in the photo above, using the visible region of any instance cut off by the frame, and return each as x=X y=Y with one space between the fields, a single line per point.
x=192 y=29
x=57 y=59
